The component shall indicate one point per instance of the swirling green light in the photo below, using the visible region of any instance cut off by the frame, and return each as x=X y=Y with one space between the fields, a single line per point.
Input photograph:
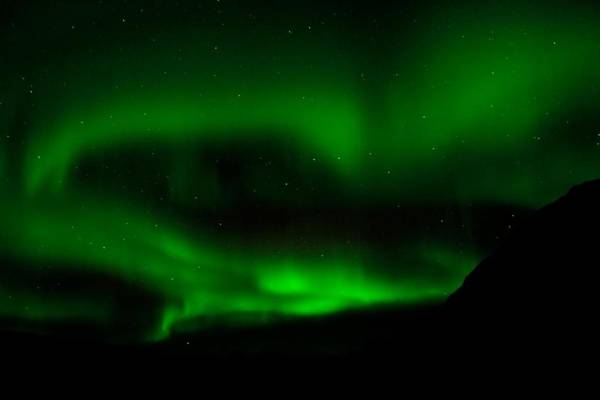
x=451 y=108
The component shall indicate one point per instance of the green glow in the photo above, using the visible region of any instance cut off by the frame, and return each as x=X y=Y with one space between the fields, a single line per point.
x=202 y=279
x=329 y=124
x=448 y=109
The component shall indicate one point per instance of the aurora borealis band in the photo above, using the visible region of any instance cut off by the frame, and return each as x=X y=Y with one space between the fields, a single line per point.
x=170 y=166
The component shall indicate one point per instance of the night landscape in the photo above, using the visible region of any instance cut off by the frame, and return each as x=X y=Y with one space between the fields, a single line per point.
x=301 y=178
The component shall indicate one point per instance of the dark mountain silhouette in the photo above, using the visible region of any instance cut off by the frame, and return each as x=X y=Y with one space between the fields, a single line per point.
x=539 y=287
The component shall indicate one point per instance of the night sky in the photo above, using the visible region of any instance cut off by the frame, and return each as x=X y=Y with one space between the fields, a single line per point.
x=170 y=166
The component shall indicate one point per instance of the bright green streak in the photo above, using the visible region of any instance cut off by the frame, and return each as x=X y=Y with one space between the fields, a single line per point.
x=202 y=281
x=478 y=113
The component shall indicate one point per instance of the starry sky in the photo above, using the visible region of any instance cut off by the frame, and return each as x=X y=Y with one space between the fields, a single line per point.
x=170 y=166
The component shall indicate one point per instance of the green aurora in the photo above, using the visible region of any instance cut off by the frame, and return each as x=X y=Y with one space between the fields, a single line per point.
x=138 y=140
